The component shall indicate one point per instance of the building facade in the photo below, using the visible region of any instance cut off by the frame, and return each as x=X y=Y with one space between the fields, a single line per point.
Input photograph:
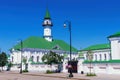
x=100 y=58
x=105 y=57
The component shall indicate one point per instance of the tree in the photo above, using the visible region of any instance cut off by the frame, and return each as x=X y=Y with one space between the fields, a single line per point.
x=25 y=62
x=3 y=59
x=90 y=58
x=9 y=65
x=52 y=58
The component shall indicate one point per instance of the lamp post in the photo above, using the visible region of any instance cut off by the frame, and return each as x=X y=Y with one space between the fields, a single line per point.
x=69 y=26
x=21 y=47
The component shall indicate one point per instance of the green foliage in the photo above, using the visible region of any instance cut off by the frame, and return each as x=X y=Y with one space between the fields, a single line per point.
x=65 y=55
x=90 y=55
x=49 y=72
x=80 y=54
x=52 y=58
x=90 y=58
x=24 y=60
x=25 y=70
x=91 y=74
x=10 y=64
x=3 y=59
x=30 y=59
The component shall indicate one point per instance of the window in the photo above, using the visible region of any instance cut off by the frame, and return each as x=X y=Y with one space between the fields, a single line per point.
x=86 y=57
x=12 y=58
x=105 y=56
x=37 y=58
x=100 y=57
x=96 y=57
x=32 y=58
x=47 y=22
x=110 y=56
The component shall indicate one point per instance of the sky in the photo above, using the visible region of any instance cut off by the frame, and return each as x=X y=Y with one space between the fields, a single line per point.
x=92 y=21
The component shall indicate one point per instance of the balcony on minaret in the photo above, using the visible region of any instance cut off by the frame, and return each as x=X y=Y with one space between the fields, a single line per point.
x=47 y=22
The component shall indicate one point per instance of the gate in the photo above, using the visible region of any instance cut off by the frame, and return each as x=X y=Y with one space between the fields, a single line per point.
x=74 y=66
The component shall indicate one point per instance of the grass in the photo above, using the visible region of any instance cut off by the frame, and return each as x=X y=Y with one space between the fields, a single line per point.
x=49 y=72
x=90 y=74
x=25 y=71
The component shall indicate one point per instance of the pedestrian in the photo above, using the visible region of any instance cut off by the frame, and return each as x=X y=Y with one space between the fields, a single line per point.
x=70 y=70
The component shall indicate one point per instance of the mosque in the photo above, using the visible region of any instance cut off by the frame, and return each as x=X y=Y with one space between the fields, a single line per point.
x=104 y=58
x=33 y=48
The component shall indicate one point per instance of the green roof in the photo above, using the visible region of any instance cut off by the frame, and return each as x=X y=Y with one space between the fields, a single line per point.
x=115 y=35
x=41 y=43
x=110 y=61
x=47 y=16
x=97 y=47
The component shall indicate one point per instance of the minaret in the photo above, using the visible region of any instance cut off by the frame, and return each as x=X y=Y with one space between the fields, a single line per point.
x=47 y=24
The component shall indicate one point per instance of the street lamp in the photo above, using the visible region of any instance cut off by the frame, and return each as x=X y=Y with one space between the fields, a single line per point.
x=69 y=26
x=21 y=47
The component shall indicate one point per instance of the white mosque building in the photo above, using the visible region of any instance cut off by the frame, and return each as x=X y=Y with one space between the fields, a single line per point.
x=105 y=57
x=33 y=48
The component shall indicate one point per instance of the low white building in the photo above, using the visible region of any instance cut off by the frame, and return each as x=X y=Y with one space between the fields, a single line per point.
x=105 y=57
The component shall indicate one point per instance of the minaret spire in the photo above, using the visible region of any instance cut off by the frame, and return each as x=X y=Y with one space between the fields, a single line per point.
x=47 y=24
x=47 y=16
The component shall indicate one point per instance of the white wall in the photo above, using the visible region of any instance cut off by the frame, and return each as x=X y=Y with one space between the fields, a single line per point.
x=107 y=68
x=36 y=68
x=115 y=47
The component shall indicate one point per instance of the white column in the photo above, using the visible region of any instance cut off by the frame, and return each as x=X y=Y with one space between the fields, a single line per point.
x=80 y=66
x=65 y=63
x=115 y=49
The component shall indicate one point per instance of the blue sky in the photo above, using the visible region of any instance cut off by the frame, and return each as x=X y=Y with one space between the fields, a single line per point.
x=92 y=20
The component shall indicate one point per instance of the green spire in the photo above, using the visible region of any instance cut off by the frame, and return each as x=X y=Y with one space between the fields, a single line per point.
x=47 y=16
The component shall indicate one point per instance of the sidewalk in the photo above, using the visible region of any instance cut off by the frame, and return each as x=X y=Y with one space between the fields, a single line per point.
x=64 y=76
x=59 y=75
x=78 y=76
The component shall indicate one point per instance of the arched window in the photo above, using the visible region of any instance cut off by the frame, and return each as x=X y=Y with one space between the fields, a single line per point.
x=100 y=57
x=12 y=58
x=86 y=57
x=110 y=56
x=37 y=58
x=96 y=57
x=47 y=22
x=105 y=56
x=32 y=58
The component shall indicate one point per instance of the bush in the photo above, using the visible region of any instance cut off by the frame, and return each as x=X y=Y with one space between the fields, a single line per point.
x=25 y=71
x=91 y=74
x=49 y=72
